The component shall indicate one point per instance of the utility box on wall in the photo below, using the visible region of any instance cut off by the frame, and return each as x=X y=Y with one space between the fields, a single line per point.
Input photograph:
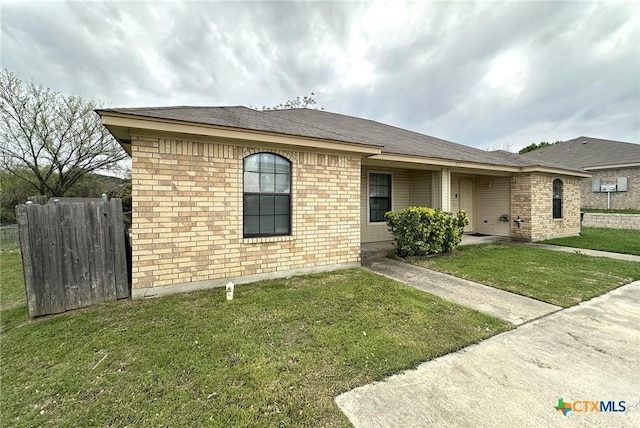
x=595 y=185
x=622 y=184
x=608 y=188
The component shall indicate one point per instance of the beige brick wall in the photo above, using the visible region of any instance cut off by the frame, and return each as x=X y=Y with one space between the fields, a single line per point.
x=187 y=213
x=532 y=200
x=619 y=200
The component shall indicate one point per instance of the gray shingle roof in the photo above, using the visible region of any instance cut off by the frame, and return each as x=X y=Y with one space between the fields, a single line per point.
x=585 y=152
x=336 y=127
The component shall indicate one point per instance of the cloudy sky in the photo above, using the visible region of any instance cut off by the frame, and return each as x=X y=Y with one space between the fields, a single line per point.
x=482 y=74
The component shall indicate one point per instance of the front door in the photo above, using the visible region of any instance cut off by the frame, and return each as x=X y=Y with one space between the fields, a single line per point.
x=466 y=201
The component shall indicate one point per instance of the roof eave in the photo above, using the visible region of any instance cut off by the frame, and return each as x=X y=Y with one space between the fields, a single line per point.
x=450 y=163
x=559 y=171
x=618 y=166
x=121 y=124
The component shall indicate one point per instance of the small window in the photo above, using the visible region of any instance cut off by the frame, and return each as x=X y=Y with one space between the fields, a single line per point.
x=267 y=195
x=379 y=196
x=557 y=198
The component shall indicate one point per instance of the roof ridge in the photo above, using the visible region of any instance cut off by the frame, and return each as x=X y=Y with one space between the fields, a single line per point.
x=584 y=137
x=182 y=107
x=312 y=125
x=382 y=124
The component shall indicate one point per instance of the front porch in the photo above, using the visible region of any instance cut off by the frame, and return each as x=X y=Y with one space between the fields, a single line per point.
x=485 y=195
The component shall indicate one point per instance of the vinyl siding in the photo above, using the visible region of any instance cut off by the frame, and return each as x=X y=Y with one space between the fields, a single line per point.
x=455 y=193
x=467 y=200
x=493 y=202
x=436 y=189
x=420 y=188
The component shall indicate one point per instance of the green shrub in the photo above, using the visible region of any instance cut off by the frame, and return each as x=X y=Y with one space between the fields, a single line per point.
x=419 y=231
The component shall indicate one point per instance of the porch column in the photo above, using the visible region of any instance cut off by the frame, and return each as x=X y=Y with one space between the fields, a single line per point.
x=445 y=189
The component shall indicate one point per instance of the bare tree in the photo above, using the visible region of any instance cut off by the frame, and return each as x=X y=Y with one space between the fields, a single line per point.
x=297 y=102
x=507 y=147
x=50 y=140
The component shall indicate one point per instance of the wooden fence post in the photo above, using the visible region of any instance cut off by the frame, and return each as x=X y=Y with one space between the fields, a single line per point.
x=27 y=263
x=119 y=250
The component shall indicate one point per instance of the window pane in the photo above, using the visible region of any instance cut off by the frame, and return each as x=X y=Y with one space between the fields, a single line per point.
x=251 y=163
x=267 y=162
x=382 y=191
x=251 y=225
x=377 y=215
x=379 y=185
x=266 y=224
x=282 y=223
x=282 y=183
x=385 y=204
x=266 y=205
x=557 y=188
x=378 y=207
x=282 y=204
x=251 y=182
x=282 y=165
x=380 y=203
x=557 y=198
x=251 y=205
x=380 y=179
x=557 y=208
x=267 y=182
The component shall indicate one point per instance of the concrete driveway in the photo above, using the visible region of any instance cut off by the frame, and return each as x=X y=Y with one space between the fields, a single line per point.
x=590 y=352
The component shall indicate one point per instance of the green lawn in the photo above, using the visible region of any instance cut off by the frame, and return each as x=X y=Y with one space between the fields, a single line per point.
x=624 y=211
x=595 y=238
x=12 y=293
x=276 y=355
x=563 y=279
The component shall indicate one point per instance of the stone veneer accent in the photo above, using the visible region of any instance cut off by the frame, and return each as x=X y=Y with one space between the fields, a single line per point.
x=532 y=200
x=619 y=200
x=187 y=215
x=612 y=221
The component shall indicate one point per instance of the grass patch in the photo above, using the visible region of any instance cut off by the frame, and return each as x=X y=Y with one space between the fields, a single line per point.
x=276 y=355
x=623 y=211
x=563 y=279
x=12 y=293
x=596 y=238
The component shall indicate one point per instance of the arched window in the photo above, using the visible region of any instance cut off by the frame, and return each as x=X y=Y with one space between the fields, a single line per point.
x=557 y=198
x=267 y=195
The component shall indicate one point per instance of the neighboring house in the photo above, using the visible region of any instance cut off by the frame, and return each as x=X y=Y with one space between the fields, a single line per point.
x=231 y=193
x=614 y=167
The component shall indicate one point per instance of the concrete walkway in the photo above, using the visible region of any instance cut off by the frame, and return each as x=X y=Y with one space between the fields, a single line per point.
x=502 y=304
x=585 y=353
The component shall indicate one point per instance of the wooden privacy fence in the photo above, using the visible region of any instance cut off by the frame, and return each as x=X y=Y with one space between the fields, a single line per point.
x=74 y=255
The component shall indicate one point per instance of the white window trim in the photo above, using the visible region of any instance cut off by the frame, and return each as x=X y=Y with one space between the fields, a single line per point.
x=369 y=172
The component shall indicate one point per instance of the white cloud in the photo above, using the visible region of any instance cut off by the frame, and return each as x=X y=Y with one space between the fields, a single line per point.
x=476 y=73
x=507 y=73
